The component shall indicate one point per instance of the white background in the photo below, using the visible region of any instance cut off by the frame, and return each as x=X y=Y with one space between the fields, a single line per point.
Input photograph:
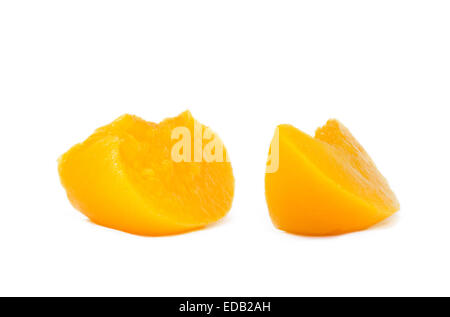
x=241 y=67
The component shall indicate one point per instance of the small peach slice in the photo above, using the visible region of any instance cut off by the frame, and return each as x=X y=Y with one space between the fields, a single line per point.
x=324 y=185
x=150 y=179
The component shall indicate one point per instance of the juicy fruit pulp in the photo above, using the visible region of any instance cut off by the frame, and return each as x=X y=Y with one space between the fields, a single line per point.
x=124 y=177
x=325 y=185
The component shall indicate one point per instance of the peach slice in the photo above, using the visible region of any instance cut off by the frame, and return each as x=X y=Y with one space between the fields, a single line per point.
x=137 y=177
x=324 y=185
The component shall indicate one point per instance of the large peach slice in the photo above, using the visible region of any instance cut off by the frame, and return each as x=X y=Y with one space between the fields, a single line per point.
x=131 y=175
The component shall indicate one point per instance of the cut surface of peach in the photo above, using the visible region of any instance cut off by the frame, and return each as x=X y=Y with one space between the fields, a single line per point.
x=325 y=185
x=125 y=176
